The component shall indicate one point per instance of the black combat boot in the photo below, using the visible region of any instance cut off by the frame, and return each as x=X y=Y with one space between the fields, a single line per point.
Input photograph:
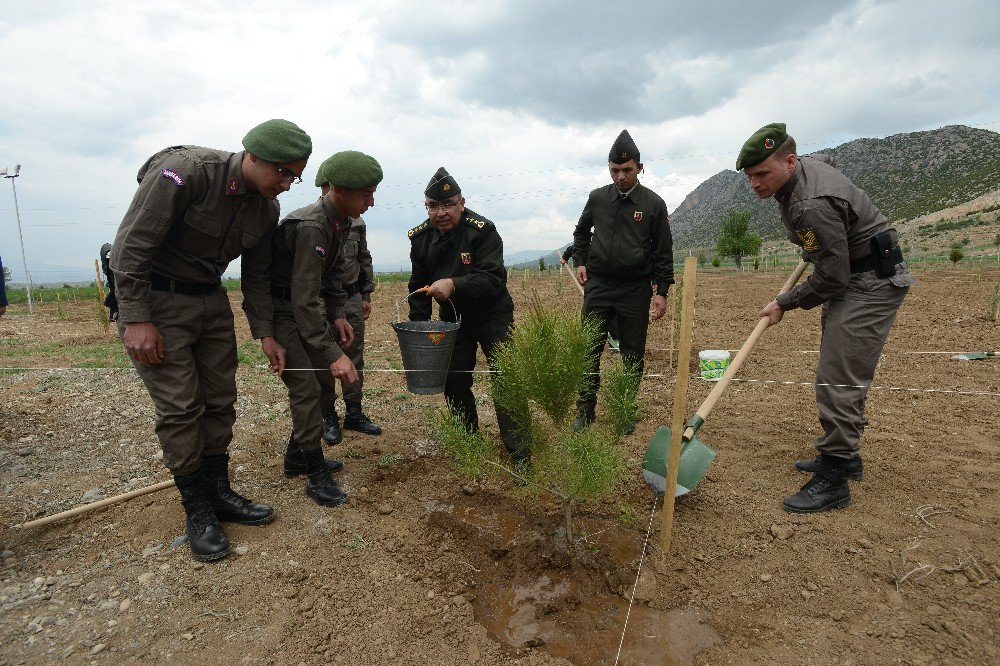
x=828 y=489
x=584 y=418
x=331 y=426
x=207 y=539
x=295 y=461
x=320 y=486
x=356 y=420
x=229 y=505
x=853 y=467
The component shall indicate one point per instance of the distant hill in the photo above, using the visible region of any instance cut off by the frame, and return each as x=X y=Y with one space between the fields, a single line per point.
x=906 y=175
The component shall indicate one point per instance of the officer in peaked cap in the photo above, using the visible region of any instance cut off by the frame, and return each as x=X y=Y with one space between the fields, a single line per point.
x=623 y=251
x=859 y=278
x=196 y=210
x=458 y=254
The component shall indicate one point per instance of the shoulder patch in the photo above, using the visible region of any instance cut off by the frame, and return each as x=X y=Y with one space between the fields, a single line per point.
x=479 y=224
x=807 y=237
x=320 y=250
x=417 y=229
x=174 y=176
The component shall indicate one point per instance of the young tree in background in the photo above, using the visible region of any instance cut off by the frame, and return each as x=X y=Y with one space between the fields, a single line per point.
x=736 y=239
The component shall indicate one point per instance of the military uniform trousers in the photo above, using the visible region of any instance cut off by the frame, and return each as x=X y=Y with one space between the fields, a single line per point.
x=855 y=327
x=194 y=388
x=355 y=316
x=627 y=304
x=458 y=384
x=311 y=386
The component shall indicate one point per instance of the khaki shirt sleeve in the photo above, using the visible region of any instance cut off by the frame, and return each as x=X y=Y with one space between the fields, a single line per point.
x=307 y=301
x=255 y=282
x=157 y=203
x=366 y=272
x=822 y=232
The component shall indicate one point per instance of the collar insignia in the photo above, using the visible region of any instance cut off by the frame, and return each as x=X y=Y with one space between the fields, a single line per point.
x=232 y=185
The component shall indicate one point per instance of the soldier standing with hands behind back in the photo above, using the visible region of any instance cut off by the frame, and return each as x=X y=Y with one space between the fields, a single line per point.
x=621 y=245
x=196 y=210
x=860 y=279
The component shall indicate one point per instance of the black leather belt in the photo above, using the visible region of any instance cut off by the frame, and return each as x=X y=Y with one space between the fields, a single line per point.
x=281 y=293
x=160 y=283
x=868 y=263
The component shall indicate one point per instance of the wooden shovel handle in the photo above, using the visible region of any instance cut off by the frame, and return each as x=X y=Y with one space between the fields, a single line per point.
x=565 y=264
x=734 y=365
x=86 y=508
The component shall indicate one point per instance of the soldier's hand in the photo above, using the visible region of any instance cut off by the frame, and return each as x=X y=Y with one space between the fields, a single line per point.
x=773 y=312
x=366 y=309
x=441 y=289
x=581 y=275
x=345 y=333
x=659 y=306
x=143 y=342
x=275 y=354
x=344 y=370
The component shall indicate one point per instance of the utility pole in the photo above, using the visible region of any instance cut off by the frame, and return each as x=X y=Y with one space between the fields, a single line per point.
x=20 y=234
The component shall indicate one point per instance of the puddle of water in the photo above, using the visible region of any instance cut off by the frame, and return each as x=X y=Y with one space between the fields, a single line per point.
x=552 y=613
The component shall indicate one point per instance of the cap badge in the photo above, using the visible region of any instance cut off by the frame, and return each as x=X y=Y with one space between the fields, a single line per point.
x=466 y=257
x=232 y=185
x=637 y=216
x=174 y=176
x=446 y=187
x=624 y=155
x=768 y=143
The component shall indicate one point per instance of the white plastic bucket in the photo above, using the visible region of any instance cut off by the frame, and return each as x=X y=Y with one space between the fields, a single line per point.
x=713 y=363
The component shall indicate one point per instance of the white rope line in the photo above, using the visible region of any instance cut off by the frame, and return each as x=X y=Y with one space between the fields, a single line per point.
x=648 y=375
x=642 y=557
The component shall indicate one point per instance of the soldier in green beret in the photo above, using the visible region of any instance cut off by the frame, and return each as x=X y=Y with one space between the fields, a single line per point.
x=355 y=273
x=307 y=251
x=860 y=279
x=195 y=211
x=623 y=250
x=458 y=254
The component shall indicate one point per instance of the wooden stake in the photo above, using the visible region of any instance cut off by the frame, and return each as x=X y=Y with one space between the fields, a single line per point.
x=680 y=400
x=672 y=309
x=86 y=508
x=100 y=297
x=571 y=276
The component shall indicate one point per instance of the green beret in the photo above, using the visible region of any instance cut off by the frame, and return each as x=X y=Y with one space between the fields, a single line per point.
x=761 y=145
x=278 y=141
x=441 y=186
x=624 y=149
x=350 y=170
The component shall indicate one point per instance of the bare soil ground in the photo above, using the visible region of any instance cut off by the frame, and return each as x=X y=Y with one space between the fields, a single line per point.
x=422 y=566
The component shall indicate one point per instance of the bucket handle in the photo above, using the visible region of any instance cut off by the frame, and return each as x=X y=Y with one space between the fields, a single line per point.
x=458 y=318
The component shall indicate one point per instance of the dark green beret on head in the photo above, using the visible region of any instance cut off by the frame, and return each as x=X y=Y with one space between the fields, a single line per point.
x=278 y=141
x=351 y=170
x=442 y=186
x=624 y=149
x=761 y=145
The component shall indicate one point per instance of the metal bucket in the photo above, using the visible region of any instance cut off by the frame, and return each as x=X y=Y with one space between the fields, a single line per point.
x=426 y=347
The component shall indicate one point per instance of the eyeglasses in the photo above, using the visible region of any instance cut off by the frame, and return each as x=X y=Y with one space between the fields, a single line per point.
x=287 y=175
x=443 y=205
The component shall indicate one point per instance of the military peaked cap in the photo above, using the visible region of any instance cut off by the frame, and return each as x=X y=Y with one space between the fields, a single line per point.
x=442 y=186
x=624 y=149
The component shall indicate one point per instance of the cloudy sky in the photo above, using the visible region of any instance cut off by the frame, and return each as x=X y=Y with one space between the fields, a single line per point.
x=519 y=100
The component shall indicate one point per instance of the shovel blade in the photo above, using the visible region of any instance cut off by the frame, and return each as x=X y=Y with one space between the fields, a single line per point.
x=696 y=456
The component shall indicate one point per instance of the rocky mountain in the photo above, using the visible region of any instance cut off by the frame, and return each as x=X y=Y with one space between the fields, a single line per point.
x=905 y=174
